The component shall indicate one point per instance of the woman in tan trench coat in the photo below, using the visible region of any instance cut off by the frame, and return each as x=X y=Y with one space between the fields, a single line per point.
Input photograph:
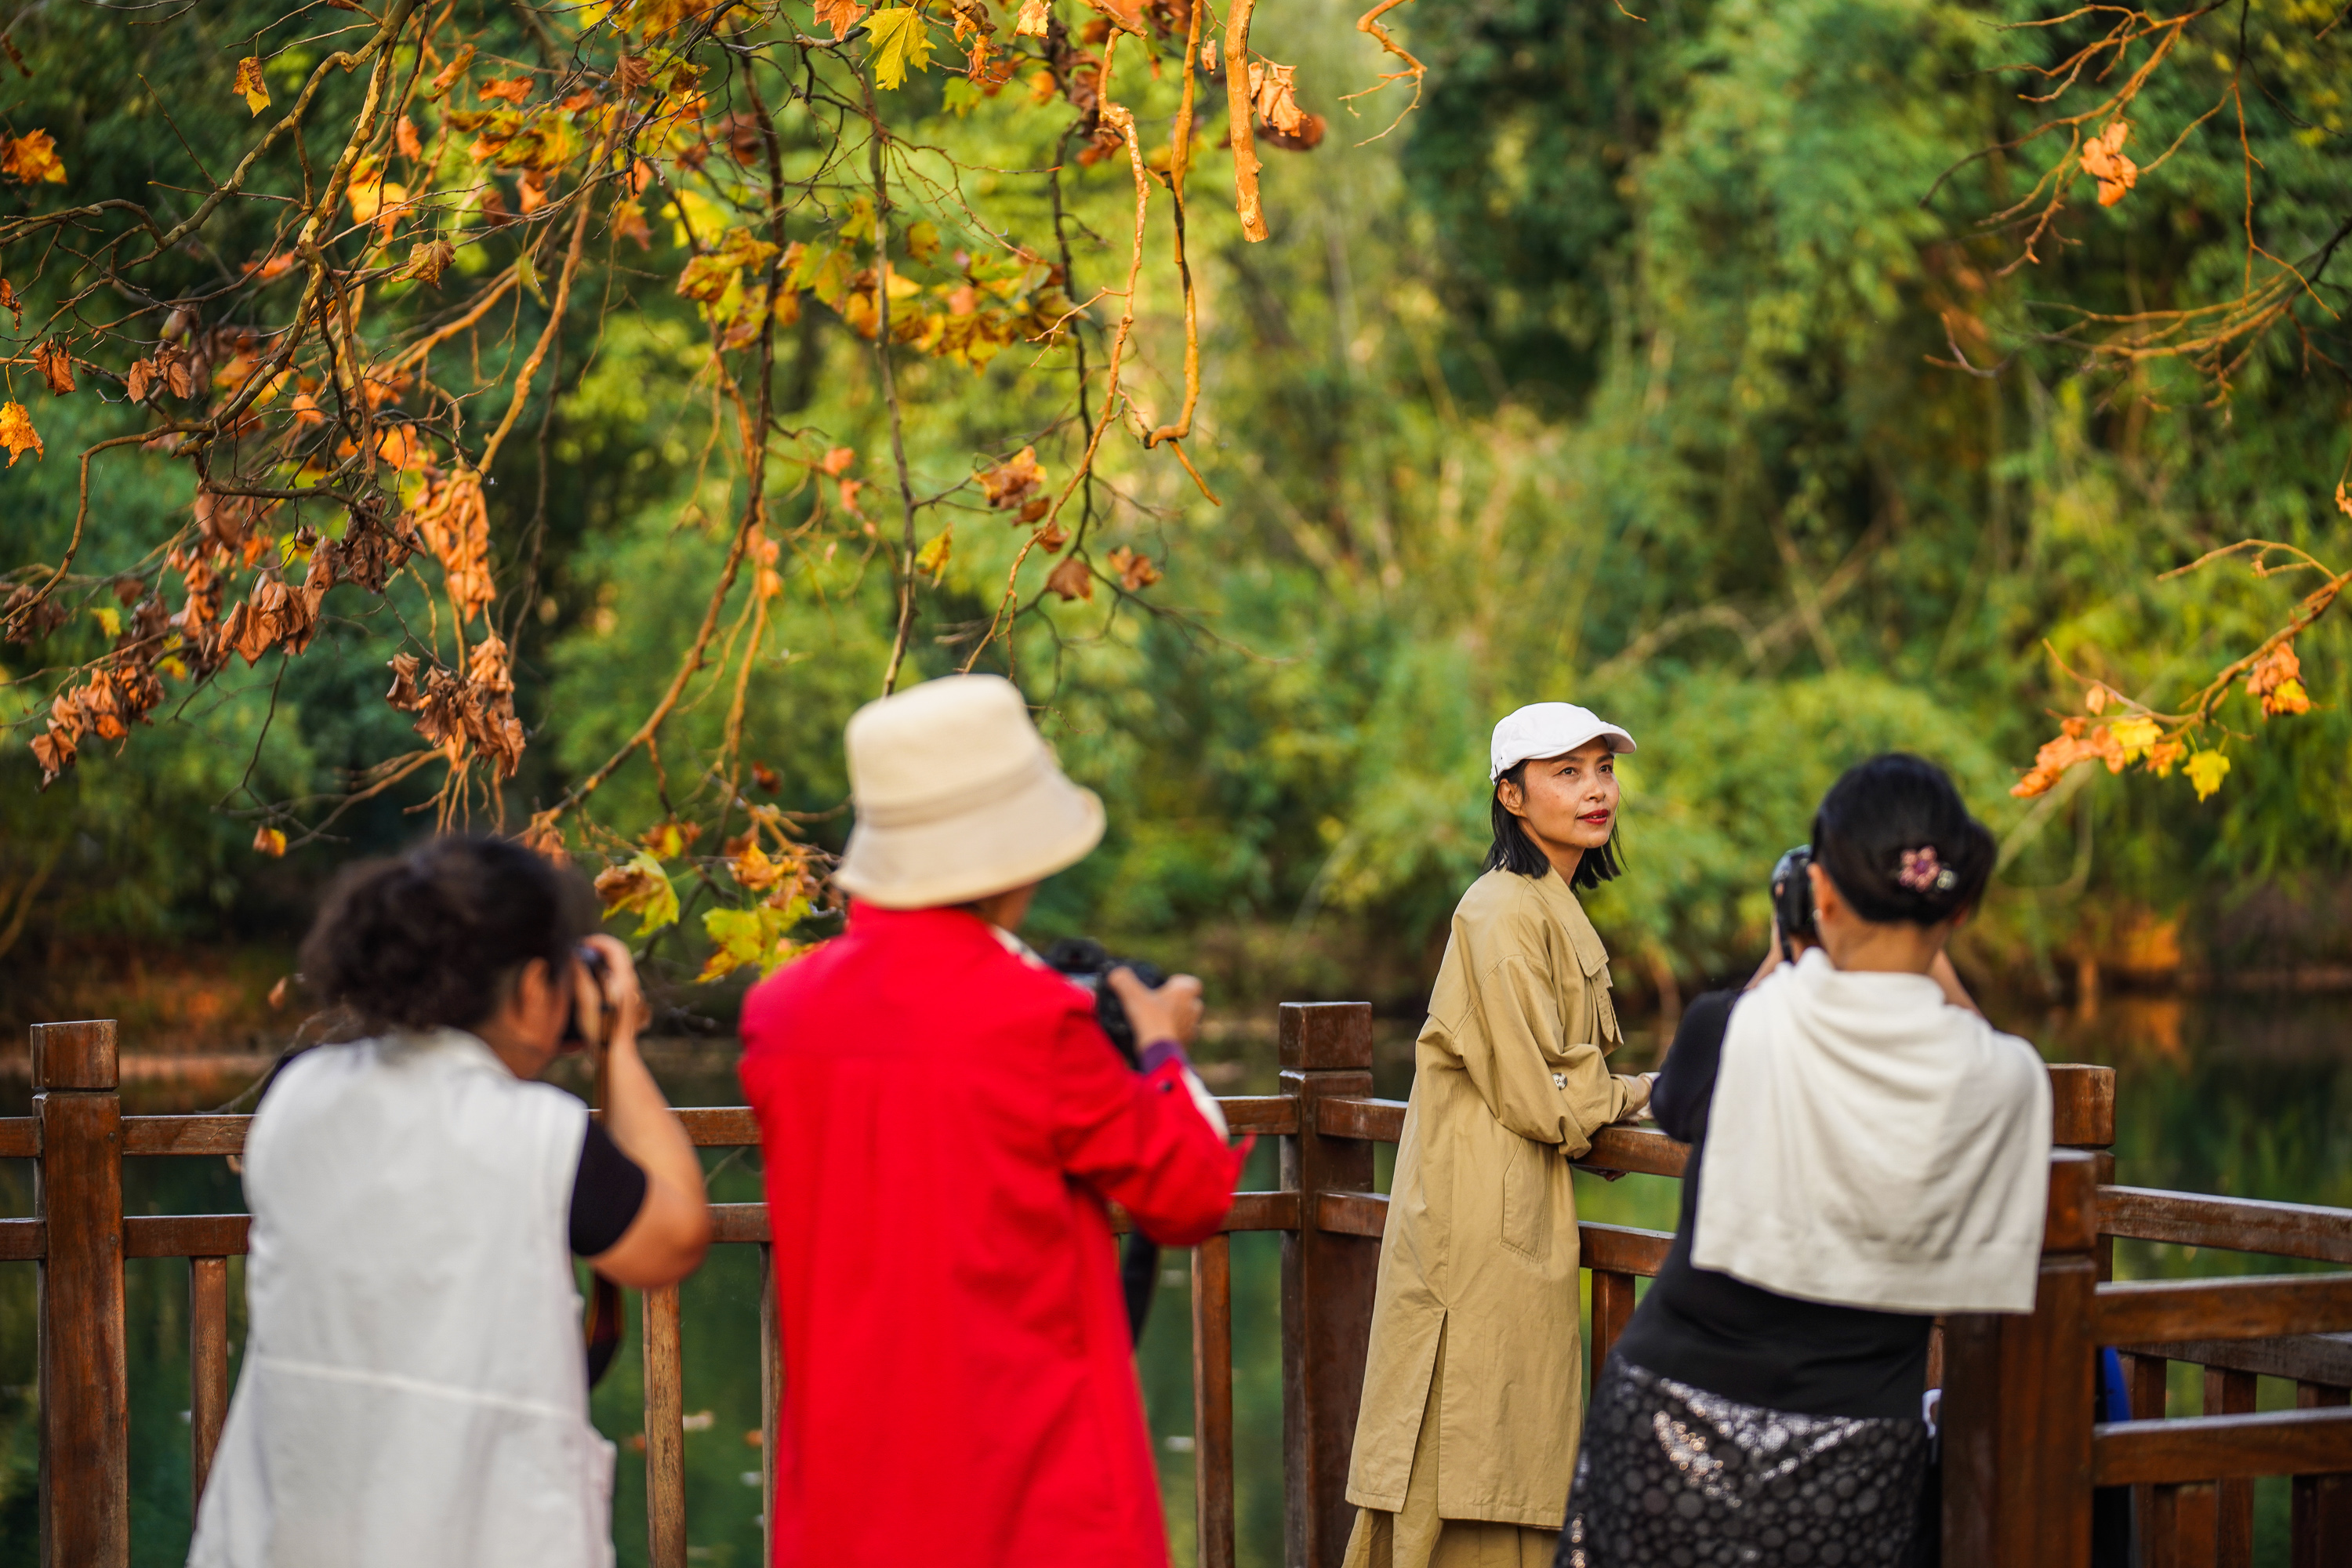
x=1474 y=1389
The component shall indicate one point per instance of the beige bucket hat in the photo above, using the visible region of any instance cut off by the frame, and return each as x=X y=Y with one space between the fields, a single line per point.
x=958 y=797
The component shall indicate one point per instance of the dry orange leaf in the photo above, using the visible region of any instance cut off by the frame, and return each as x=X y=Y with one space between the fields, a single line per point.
x=270 y=841
x=1011 y=483
x=249 y=85
x=629 y=223
x=1071 y=580
x=404 y=137
x=839 y=14
x=16 y=433
x=1135 y=573
x=2104 y=161
x=447 y=76
x=430 y=259
x=513 y=88
x=1273 y=94
x=55 y=366
x=31 y=159
x=2276 y=681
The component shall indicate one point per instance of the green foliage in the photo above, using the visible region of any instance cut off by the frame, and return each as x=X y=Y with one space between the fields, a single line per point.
x=1629 y=370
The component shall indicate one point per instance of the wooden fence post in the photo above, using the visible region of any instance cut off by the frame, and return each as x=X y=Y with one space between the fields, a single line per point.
x=85 y=1404
x=1327 y=1282
x=2017 y=1409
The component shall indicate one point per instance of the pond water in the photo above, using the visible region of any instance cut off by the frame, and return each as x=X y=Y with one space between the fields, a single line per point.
x=2249 y=1096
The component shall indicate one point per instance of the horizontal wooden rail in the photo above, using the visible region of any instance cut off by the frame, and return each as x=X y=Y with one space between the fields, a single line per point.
x=2235 y=1224
x=1606 y=1248
x=1641 y=1151
x=2252 y=1306
x=184 y=1135
x=2323 y=1360
x=1352 y=1213
x=1346 y=1116
x=2222 y=1448
x=710 y=1127
x=1269 y=1115
x=721 y=1126
x=184 y=1235
x=20 y=1138
x=1621 y=1249
x=24 y=1240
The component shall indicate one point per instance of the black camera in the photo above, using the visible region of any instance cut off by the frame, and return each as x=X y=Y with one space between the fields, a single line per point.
x=1792 y=900
x=575 y=1037
x=1088 y=963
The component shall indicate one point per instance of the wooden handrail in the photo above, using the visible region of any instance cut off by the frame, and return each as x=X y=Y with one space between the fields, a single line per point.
x=2250 y=1307
x=2022 y=1451
x=2236 y=1225
x=24 y=1240
x=2222 y=1448
x=2322 y=1360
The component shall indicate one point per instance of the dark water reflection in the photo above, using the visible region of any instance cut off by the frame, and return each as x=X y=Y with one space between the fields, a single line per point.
x=2244 y=1096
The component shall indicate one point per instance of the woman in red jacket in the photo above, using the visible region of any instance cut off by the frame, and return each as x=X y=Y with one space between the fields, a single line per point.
x=943 y=1125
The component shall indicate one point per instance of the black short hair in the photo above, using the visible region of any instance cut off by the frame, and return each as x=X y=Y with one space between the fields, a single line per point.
x=1513 y=850
x=1887 y=808
x=434 y=938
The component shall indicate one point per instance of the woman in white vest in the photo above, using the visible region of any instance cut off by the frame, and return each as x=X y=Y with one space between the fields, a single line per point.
x=1865 y=1152
x=415 y=1385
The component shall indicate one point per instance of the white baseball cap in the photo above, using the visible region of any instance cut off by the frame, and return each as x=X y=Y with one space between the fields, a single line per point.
x=1548 y=729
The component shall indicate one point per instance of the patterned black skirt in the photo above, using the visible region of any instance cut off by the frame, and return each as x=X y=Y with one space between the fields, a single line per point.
x=1674 y=1477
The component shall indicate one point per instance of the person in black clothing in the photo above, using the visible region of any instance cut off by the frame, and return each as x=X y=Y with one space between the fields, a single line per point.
x=1764 y=1404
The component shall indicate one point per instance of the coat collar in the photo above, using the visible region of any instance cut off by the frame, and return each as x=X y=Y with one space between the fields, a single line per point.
x=1558 y=897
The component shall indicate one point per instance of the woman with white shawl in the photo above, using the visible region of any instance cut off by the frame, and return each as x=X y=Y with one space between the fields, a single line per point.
x=1866 y=1152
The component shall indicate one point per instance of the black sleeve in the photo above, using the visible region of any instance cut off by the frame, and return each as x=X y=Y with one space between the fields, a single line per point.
x=606 y=1192
x=1687 y=1082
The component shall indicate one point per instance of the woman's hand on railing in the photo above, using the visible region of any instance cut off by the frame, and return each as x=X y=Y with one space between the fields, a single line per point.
x=1170 y=1012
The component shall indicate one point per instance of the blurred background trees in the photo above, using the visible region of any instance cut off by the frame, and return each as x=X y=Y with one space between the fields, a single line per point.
x=1677 y=366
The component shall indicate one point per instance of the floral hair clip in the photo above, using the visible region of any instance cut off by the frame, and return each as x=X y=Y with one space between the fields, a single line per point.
x=1924 y=871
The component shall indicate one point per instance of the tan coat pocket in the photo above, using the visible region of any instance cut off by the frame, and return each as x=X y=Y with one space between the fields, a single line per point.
x=1527 y=1199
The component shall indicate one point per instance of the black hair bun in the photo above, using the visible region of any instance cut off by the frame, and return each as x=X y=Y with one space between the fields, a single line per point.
x=1894 y=836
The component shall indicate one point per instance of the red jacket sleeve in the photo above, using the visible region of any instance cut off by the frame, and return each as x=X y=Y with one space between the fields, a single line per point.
x=1138 y=1139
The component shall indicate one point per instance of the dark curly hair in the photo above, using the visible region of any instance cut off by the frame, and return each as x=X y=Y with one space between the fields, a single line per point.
x=1888 y=806
x=434 y=938
x=1513 y=850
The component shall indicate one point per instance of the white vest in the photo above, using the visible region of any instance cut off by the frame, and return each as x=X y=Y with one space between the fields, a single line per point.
x=414 y=1389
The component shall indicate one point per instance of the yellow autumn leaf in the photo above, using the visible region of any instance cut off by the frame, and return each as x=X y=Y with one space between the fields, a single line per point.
x=16 y=432
x=31 y=159
x=932 y=558
x=270 y=841
x=2136 y=735
x=641 y=886
x=742 y=937
x=753 y=871
x=110 y=618
x=901 y=42
x=249 y=85
x=2206 y=771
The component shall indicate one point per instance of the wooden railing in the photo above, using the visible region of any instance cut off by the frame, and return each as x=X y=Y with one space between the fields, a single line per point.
x=2022 y=1450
